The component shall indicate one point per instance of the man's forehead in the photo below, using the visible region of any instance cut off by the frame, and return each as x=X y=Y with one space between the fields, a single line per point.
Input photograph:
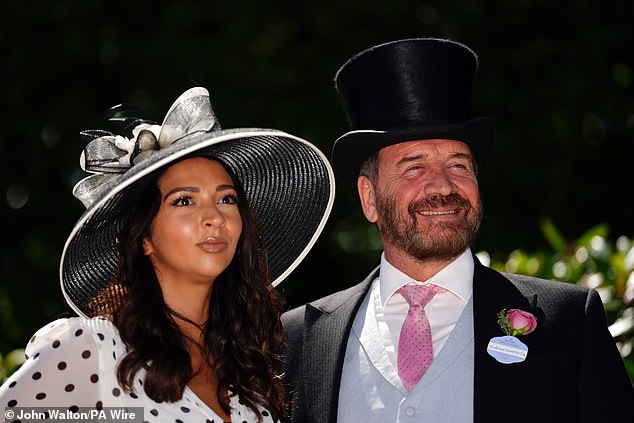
x=425 y=147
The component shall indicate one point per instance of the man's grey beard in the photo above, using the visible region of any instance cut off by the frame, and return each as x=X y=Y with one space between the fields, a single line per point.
x=449 y=239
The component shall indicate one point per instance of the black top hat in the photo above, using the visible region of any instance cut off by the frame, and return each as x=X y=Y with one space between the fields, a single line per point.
x=403 y=91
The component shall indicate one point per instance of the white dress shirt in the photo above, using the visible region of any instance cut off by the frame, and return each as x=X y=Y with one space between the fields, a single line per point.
x=443 y=311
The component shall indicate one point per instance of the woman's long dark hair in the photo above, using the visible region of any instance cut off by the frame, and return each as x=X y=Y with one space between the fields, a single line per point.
x=242 y=335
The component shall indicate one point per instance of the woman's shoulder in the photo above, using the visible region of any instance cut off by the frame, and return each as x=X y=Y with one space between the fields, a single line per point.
x=72 y=332
x=67 y=364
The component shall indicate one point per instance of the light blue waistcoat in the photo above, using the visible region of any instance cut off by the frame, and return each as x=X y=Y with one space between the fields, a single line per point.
x=443 y=395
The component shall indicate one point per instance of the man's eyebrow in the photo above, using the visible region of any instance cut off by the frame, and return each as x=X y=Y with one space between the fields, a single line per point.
x=467 y=156
x=408 y=159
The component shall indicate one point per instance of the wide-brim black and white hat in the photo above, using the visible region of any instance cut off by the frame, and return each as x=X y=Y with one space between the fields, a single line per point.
x=288 y=181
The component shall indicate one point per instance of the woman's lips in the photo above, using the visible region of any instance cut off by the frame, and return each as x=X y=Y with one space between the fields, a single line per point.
x=213 y=244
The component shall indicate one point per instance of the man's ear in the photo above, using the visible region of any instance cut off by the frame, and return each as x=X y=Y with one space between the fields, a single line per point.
x=367 y=195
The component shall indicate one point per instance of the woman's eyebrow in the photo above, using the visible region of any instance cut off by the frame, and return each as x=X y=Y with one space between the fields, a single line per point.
x=221 y=187
x=181 y=189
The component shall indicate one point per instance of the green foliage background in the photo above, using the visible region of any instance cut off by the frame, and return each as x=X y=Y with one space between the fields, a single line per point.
x=556 y=77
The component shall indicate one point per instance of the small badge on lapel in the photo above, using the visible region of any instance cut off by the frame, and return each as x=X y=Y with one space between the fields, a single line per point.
x=508 y=349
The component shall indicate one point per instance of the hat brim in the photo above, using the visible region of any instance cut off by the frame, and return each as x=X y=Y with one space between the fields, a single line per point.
x=288 y=182
x=353 y=148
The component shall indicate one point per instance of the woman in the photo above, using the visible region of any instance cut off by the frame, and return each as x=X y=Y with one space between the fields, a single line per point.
x=168 y=271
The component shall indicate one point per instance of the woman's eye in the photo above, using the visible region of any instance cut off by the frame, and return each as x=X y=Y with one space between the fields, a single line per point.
x=229 y=199
x=182 y=201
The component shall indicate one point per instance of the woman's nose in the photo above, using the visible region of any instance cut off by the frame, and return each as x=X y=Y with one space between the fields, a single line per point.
x=213 y=217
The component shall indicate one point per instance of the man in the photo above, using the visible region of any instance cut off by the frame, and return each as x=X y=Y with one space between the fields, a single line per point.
x=365 y=354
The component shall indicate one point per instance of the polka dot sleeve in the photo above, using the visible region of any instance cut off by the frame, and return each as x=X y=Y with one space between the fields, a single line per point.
x=61 y=369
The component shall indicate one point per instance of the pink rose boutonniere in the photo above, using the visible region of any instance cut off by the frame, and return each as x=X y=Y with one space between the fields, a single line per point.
x=508 y=349
x=516 y=322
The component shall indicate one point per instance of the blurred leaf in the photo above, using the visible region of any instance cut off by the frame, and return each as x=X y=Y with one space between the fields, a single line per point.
x=10 y=363
x=552 y=235
x=600 y=230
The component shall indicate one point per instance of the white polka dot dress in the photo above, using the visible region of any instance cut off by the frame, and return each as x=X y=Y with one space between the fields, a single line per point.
x=72 y=363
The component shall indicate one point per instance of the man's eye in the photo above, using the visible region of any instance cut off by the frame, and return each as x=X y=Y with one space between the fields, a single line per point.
x=461 y=166
x=414 y=168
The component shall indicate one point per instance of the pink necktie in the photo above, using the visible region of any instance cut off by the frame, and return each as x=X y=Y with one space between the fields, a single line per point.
x=415 y=349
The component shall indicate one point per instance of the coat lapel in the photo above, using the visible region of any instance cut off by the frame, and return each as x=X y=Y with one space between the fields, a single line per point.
x=493 y=381
x=327 y=326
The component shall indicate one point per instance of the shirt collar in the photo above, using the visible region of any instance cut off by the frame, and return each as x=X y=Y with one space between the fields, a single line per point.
x=457 y=278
